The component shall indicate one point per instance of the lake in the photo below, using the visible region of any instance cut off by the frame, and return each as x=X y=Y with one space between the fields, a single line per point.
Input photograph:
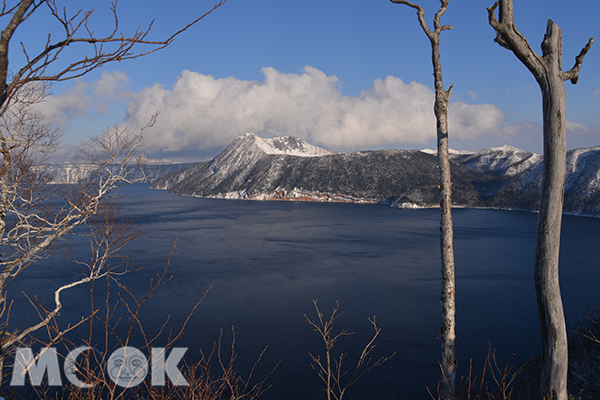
x=265 y=262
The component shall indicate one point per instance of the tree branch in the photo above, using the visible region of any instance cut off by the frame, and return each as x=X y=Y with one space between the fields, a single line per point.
x=436 y=19
x=573 y=74
x=49 y=315
x=5 y=37
x=420 y=15
x=36 y=66
x=509 y=37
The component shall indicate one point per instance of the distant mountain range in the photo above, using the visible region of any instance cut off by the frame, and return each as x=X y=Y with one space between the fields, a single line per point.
x=288 y=168
x=71 y=173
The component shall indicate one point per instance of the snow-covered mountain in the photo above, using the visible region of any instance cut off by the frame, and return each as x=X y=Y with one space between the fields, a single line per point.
x=288 y=168
x=505 y=161
x=70 y=173
x=288 y=145
x=520 y=174
x=239 y=158
x=249 y=148
x=582 y=185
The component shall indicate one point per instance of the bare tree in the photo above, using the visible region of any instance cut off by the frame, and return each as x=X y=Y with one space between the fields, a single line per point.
x=38 y=214
x=547 y=70
x=442 y=96
x=336 y=380
x=33 y=214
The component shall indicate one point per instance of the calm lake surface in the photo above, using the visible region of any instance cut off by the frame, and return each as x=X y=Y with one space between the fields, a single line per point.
x=265 y=262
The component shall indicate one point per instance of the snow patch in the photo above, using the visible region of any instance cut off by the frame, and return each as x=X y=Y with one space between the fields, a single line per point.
x=433 y=152
x=285 y=145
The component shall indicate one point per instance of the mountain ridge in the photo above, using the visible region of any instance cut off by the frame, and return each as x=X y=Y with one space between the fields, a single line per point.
x=504 y=177
x=288 y=168
x=68 y=173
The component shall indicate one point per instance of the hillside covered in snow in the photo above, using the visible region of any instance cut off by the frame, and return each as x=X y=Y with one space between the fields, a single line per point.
x=288 y=168
x=68 y=173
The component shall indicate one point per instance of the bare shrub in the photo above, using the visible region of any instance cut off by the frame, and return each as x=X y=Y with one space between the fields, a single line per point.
x=336 y=379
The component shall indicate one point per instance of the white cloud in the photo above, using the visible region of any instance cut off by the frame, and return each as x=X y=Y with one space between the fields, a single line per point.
x=467 y=121
x=579 y=135
x=573 y=126
x=112 y=86
x=201 y=112
x=77 y=101
x=73 y=103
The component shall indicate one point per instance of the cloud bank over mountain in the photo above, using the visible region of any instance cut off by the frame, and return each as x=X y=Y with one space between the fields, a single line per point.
x=200 y=114
x=201 y=111
x=81 y=97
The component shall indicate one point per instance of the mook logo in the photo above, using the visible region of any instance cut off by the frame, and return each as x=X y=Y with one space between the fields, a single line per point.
x=127 y=367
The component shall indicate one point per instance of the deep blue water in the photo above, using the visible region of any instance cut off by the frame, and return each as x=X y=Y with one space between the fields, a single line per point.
x=265 y=262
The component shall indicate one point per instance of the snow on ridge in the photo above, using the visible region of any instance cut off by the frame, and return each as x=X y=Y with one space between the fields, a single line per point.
x=574 y=156
x=507 y=160
x=433 y=152
x=504 y=149
x=246 y=150
x=287 y=145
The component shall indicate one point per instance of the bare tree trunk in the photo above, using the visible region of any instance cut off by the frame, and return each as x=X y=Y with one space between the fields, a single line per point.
x=547 y=71
x=442 y=97
x=448 y=298
x=547 y=286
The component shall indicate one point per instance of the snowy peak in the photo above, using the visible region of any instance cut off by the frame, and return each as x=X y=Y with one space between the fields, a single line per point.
x=288 y=145
x=236 y=164
x=246 y=150
x=291 y=146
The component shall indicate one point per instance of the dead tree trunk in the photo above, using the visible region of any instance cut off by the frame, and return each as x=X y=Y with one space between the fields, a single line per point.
x=442 y=96
x=547 y=71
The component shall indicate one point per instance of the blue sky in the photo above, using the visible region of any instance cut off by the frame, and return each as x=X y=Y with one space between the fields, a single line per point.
x=345 y=75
